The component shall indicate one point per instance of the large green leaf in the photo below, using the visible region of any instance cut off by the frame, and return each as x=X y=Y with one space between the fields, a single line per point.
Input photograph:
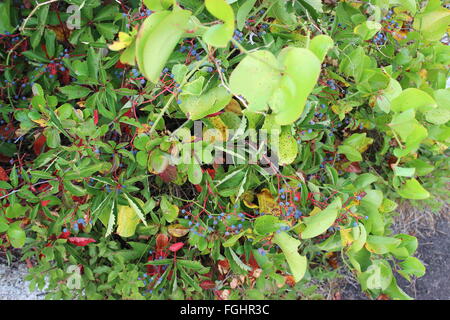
x=289 y=246
x=320 y=45
x=412 y=189
x=413 y=98
x=381 y=244
x=157 y=39
x=320 y=222
x=301 y=71
x=197 y=107
x=432 y=24
x=255 y=78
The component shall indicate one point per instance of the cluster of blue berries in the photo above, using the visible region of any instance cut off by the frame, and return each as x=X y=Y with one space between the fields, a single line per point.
x=238 y=36
x=380 y=38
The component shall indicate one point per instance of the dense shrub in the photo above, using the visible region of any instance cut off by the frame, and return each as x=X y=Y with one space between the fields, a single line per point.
x=219 y=150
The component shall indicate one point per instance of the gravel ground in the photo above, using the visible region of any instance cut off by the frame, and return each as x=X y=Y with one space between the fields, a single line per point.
x=12 y=285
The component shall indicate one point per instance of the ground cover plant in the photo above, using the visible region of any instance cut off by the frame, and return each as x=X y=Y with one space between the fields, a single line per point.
x=219 y=149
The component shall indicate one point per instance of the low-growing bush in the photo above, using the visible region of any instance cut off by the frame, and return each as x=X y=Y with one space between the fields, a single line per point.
x=240 y=149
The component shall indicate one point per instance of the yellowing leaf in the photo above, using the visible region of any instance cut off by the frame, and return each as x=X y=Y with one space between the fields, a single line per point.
x=127 y=221
x=219 y=125
x=346 y=236
x=124 y=41
x=267 y=204
x=234 y=107
x=41 y=122
x=177 y=230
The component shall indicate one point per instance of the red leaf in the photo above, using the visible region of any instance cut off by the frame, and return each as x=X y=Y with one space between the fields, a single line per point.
x=43 y=187
x=39 y=144
x=353 y=167
x=44 y=203
x=176 y=246
x=207 y=284
x=161 y=241
x=3 y=175
x=211 y=172
x=169 y=174
x=7 y=130
x=64 y=235
x=95 y=117
x=120 y=65
x=80 y=242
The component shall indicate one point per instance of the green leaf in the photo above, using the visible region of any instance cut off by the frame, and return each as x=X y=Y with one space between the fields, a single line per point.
x=407 y=247
x=74 y=189
x=219 y=35
x=136 y=207
x=441 y=114
x=16 y=235
x=302 y=69
x=255 y=78
x=413 y=98
x=289 y=246
x=156 y=5
x=381 y=245
x=170 y=211
x=320 y=45
x=288 y=148
x=411 y=267
x=197 y=107
x=195 y=174
x=320 y=222
x=404 y=172
x=243 y=12
x=412 y=189
x=432 y=24
x=232 y=240
x=267 y=224
x=157 y=38
x=378 y=275
x=5 y=17
x=112 y=215
x=364 y=180
x=53 y=138
x=15 y=211
x=350 y=152
x=367 y=30
x=75 y=91
x=409 y=5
